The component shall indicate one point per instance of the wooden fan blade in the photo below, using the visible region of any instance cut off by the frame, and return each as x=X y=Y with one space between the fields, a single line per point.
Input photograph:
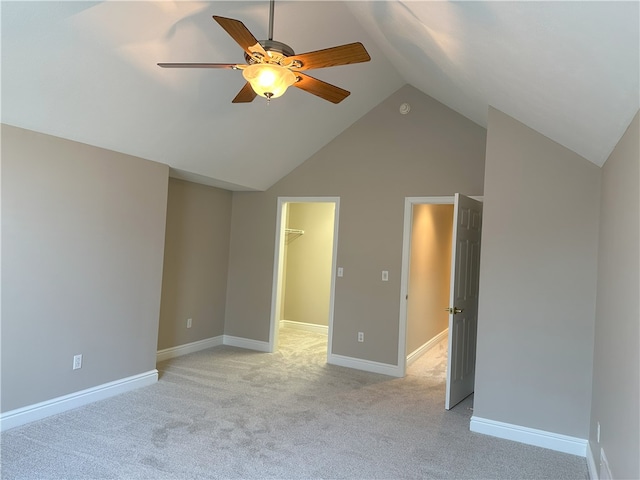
x=246 y=95
x=198 y=65
x=331 y=57
x=241 y=35
x=321 y=89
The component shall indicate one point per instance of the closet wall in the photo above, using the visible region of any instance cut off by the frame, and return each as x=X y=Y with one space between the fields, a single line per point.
x=307 y=280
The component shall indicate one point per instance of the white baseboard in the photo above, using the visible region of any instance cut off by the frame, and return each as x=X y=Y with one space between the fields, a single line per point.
x=366 y=365
x=38 y=411
x=530 y=436
x=192 y=347
x=246 y=343
x=307 y=327
x=416 y=354
x=591 y=464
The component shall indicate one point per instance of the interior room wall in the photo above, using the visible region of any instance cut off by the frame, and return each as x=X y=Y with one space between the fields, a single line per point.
x=429 y=273
x=372 y=166
x=616 y=363
x=307 y=286
x=82 y=247
x=537 y=282
x=196 y=257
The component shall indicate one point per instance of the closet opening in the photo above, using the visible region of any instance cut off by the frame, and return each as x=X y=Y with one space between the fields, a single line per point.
x=304 y=273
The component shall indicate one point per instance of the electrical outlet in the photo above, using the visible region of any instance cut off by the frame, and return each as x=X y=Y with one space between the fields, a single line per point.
x=189 y=321
x=385 y=275
x=77 y=362
x=361 y=337
x=340 y=271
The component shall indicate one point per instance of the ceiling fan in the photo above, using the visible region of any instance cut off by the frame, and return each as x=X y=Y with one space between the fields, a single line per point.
x=273 y=66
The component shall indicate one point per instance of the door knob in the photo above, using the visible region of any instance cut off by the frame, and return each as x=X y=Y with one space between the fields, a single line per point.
x=454 y=310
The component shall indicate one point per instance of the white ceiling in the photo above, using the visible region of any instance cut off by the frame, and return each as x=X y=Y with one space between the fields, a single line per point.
x=87 y=72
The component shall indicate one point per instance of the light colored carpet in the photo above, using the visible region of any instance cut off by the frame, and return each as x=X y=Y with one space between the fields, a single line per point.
x=232 y=413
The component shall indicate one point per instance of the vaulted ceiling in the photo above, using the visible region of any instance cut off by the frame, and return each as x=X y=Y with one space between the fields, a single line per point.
x=87 y=72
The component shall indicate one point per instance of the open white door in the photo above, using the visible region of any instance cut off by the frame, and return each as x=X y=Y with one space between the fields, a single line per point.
x=463 y=299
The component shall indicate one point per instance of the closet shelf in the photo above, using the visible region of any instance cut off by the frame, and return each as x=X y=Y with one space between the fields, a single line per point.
x=292 y=233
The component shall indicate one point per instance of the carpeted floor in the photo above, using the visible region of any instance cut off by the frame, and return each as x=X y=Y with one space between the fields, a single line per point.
x=232 y=413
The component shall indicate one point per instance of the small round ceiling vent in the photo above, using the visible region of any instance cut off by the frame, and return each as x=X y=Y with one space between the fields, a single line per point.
x=404 y=108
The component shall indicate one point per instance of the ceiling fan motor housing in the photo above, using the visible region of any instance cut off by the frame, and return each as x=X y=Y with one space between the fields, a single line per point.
x=278 y=49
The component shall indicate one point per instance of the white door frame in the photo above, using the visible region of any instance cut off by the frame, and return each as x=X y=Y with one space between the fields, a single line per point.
x=409 y=202
x=278 y=265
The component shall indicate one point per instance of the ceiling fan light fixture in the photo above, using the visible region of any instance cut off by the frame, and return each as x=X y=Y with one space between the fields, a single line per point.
x=268 y=80
x=272 y=66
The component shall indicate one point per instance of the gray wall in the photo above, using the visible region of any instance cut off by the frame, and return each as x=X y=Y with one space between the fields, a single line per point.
x=307 y=286
x=82 y=245
x=429 y=273
x=616 y=363
x=196 y=257
x=372 y=166
x=537 y=282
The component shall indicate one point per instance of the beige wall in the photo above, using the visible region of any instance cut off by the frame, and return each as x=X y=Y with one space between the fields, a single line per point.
x=616 y=363
x=196 y=257
x=307 y=286
x=82 y=246
x=372 y=166
x=537 y=282
x=429 y=273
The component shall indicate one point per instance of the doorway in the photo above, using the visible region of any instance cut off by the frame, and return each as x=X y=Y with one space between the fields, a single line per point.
x=304 y=267
x=429 y=278
x=462 y=285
